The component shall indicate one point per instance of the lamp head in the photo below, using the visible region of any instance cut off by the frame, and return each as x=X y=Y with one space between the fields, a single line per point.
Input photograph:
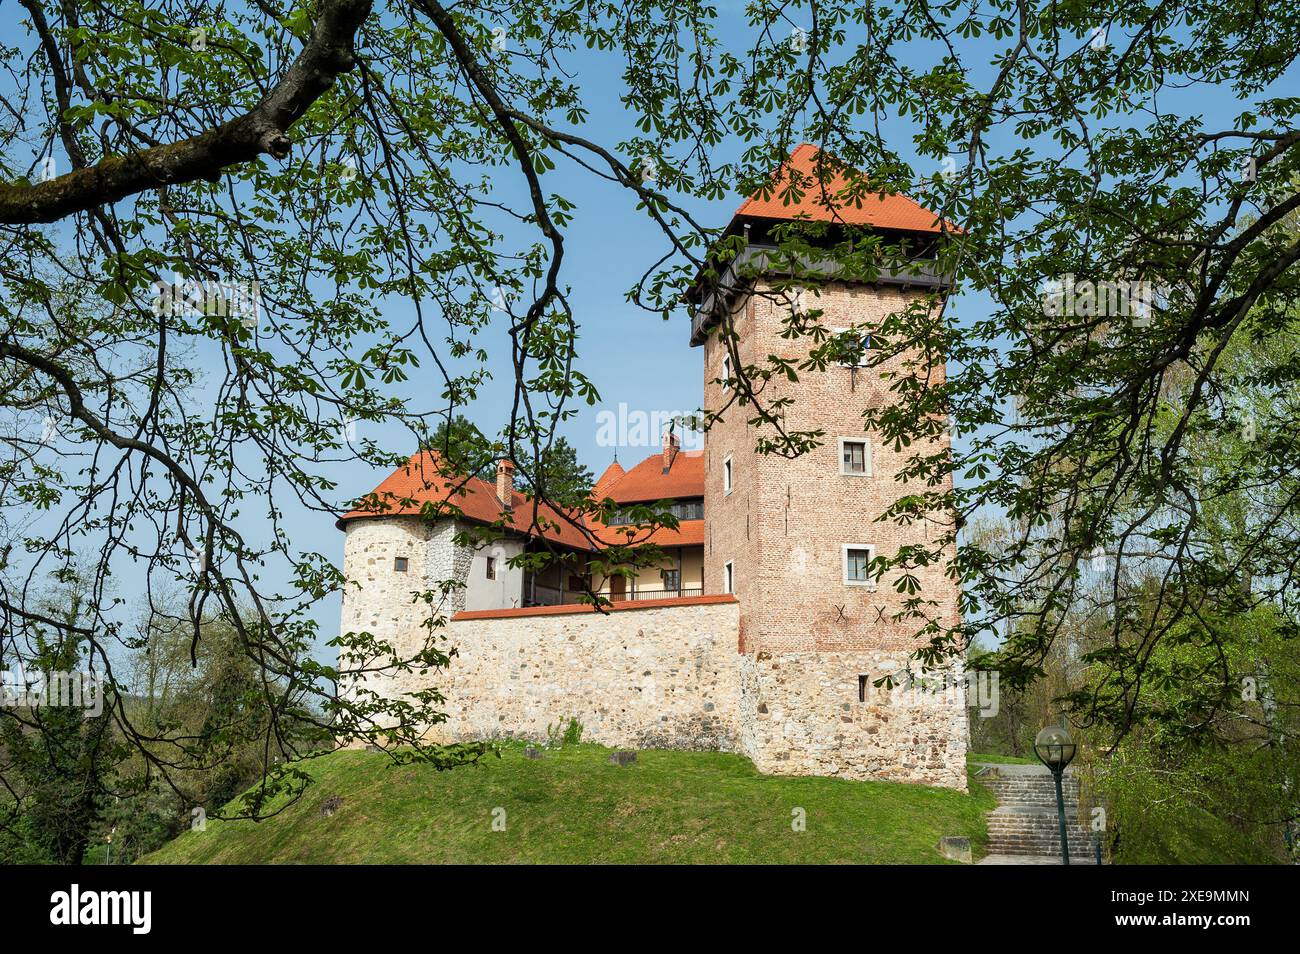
x=1054 y=747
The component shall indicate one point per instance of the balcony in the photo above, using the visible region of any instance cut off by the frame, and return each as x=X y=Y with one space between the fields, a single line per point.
x=665 y=594
x=535 y=594
x=538 y=595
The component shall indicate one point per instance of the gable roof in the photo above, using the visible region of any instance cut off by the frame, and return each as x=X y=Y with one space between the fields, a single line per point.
x=832 y=201
x=647 y=482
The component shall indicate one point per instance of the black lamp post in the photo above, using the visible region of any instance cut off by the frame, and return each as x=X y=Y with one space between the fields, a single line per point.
x=1055 y=749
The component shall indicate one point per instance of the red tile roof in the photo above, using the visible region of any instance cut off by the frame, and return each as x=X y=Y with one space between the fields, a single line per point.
x=613 y=473
x=647 y=482
x=689 y=533
x=829 y=202
x=422 y=481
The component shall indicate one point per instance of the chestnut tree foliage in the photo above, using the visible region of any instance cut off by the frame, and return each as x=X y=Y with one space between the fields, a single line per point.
x=346 y=154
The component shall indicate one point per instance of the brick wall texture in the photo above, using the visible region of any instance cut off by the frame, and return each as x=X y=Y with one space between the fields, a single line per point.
x=786 y=521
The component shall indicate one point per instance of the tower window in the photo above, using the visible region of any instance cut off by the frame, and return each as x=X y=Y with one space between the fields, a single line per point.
x=855 y=457
x=490 y=569
x=862 y=688
x=726 y=372
x=728 y=578
x=399 y=564
x=726 y=475
x=857 y=561
x=851 y=347
x=798 y=302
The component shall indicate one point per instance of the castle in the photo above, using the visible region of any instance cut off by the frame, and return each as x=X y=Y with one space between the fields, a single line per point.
x=762 y=631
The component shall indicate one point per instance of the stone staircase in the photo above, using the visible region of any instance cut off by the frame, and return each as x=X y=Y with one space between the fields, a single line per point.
x=1025 y=824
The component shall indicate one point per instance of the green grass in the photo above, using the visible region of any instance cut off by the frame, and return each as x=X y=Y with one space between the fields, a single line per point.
x=973 y=759
x=574 y=807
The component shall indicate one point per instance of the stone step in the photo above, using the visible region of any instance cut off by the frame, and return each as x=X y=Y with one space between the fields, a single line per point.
x=1020 y=785
x=1042 y=805
x=1030 y=829
x=1041 y=837
x=1078 y=853
x=1078 y=849
x=1045 y=797
x=1045 y=791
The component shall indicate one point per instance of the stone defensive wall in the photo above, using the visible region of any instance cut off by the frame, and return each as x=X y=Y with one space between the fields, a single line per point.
x=670 y=674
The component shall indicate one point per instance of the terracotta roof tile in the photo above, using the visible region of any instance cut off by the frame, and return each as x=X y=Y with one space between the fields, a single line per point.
x=422 y=481
x=647 y=482
x=689 y=533
x=828 y=203
x=613 y=473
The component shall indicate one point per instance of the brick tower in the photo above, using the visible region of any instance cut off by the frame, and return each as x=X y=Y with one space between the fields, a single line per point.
x=791 y=538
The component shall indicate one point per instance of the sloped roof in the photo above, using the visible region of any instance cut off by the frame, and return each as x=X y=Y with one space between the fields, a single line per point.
x=647 y=482
x=422 y=481
x=689 y=533
x=831 y=201
x=613 y=473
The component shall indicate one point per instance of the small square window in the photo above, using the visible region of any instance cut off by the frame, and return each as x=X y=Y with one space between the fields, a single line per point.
x=726 y=476
x=855 y=457
x=490 y=569
x=857 y=563
x=399 y=564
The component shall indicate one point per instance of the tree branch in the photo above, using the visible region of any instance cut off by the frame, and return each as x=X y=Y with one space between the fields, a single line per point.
x=329 y=52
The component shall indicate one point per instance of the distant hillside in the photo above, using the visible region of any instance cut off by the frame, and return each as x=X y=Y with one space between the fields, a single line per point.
x=573 y=806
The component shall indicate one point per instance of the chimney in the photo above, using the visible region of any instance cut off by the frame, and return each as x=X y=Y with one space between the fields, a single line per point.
x=506 y=483
x=671 y=447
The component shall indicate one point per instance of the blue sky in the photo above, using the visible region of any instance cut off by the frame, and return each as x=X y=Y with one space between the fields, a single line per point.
x=632 y=356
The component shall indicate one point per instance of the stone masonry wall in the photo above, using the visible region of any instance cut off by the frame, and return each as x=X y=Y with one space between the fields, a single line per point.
x=801 y=714
x=380 y=600
x=671 y=677
x=662 y=677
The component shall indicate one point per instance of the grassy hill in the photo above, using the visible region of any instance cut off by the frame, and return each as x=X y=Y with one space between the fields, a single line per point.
x=573 y=806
